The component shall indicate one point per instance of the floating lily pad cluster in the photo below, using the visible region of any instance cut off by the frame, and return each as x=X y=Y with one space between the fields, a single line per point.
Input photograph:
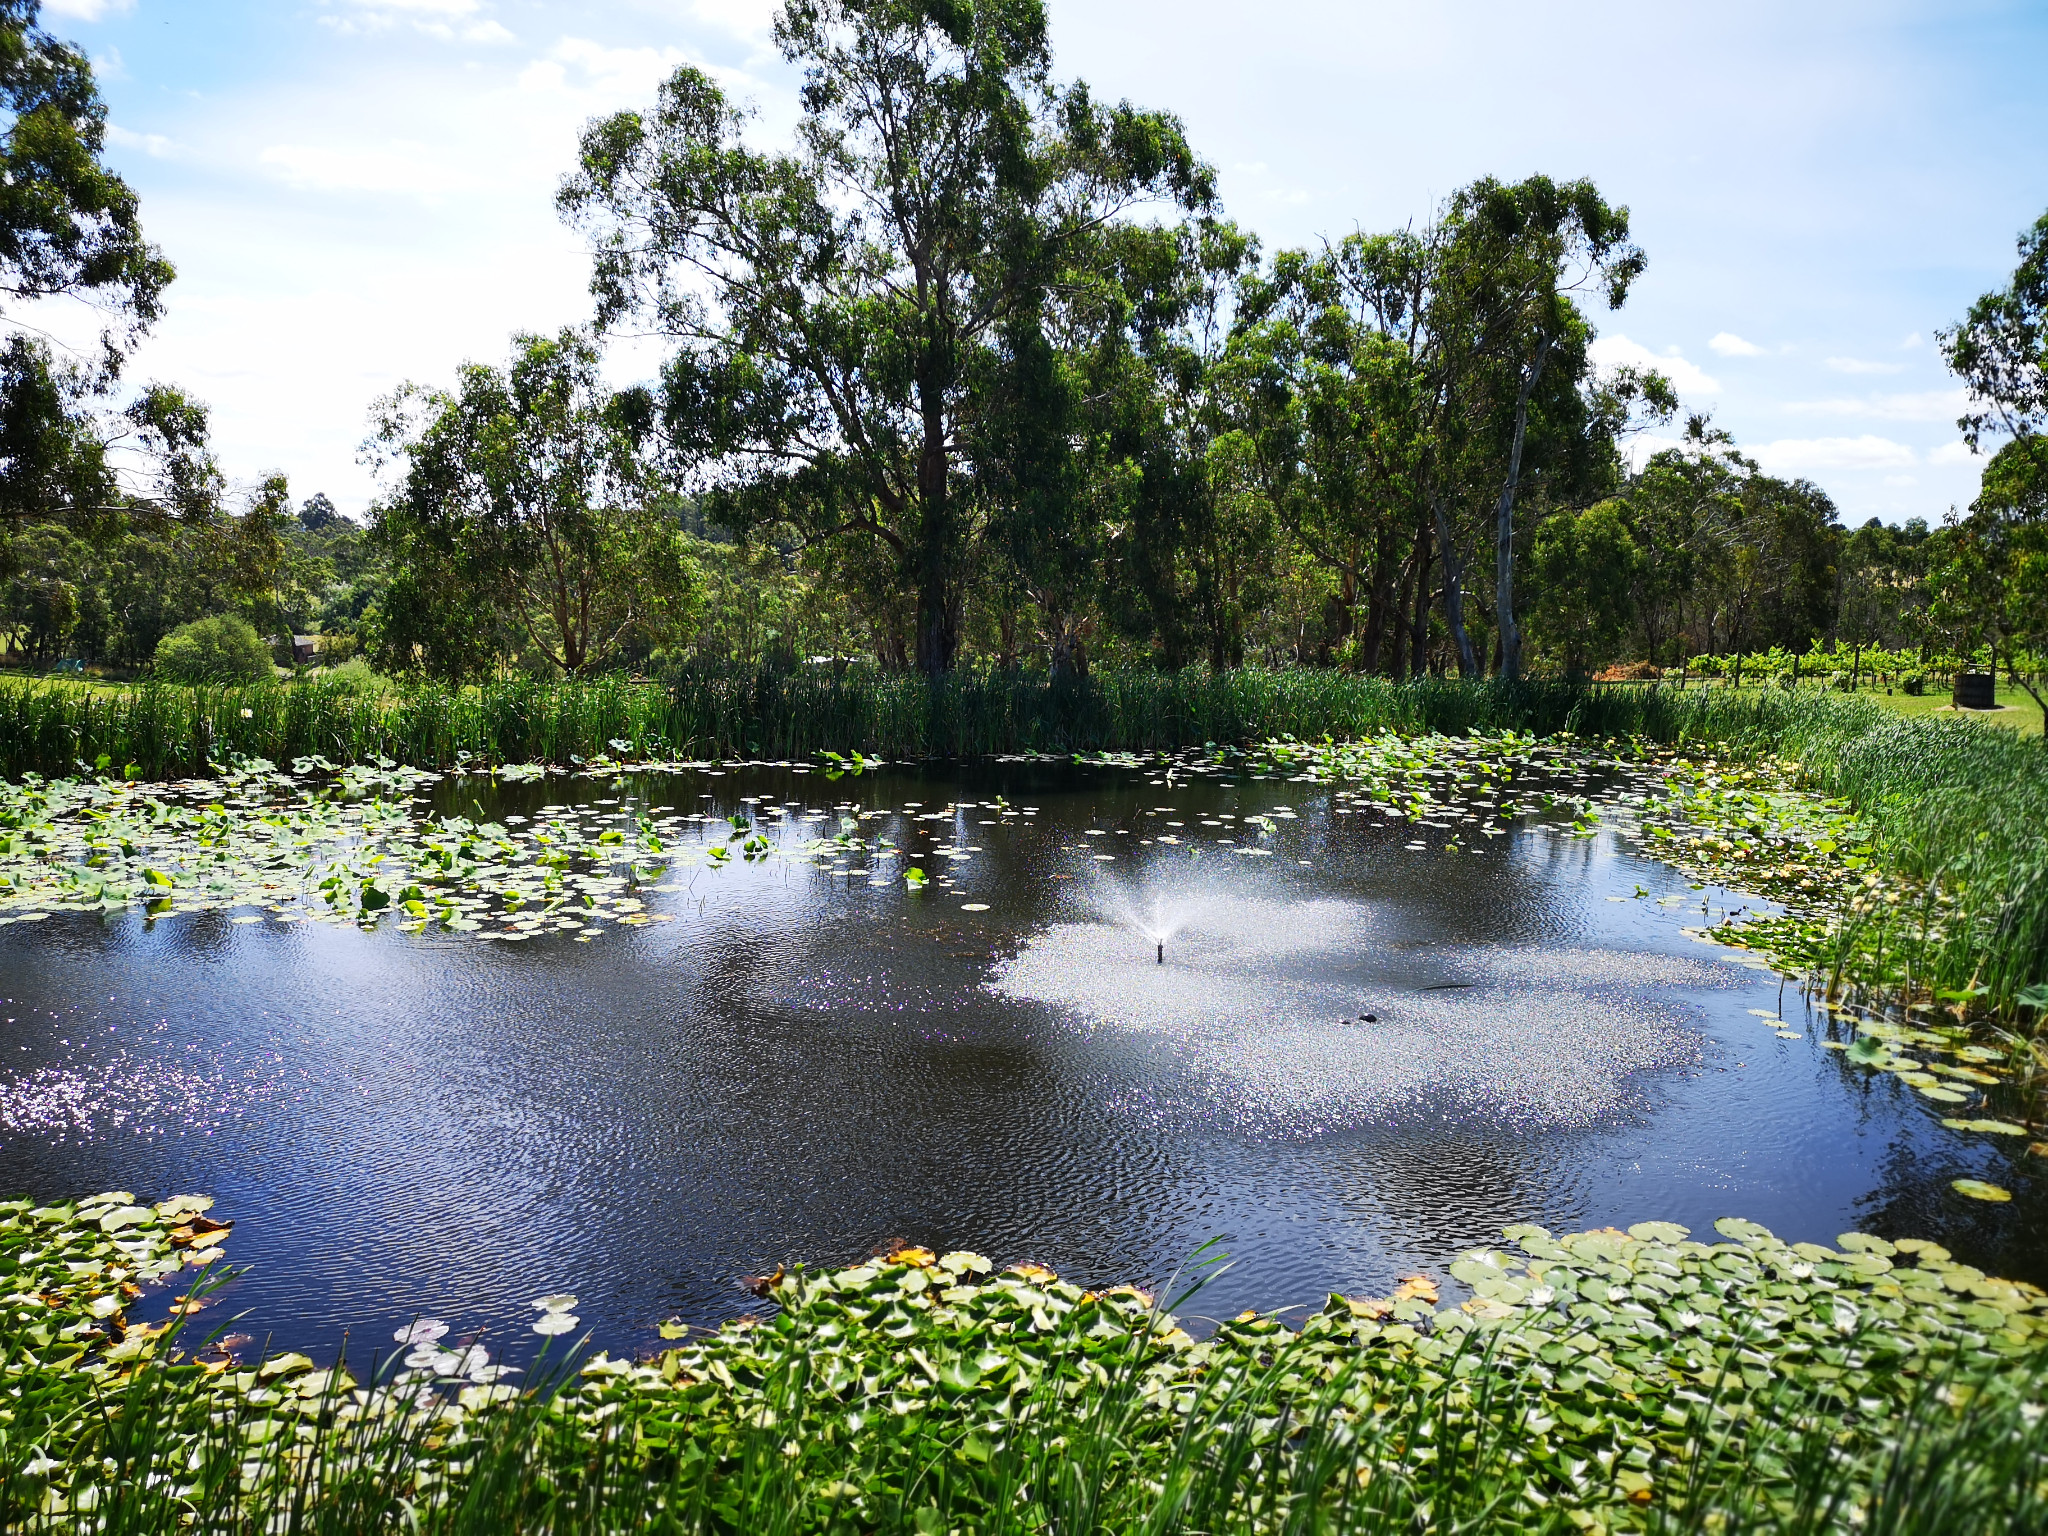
x=1467 y=785
x=358 y=847
x=70 y=1272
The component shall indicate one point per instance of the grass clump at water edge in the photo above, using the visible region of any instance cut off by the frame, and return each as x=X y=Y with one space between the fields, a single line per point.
x=1600 y=1381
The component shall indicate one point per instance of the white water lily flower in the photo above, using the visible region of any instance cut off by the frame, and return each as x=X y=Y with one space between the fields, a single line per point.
x=560 y=1302
x=1689 y=1319
x=42 y=1466
x=1845 y=1317
x=425 y=1331
x=1542 y=1296
x=552 y=1323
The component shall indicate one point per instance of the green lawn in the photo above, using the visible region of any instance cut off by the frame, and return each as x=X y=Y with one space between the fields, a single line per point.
x=2015 y=709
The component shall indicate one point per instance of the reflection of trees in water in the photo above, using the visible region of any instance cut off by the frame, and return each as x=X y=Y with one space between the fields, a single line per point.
x=1914 y=1200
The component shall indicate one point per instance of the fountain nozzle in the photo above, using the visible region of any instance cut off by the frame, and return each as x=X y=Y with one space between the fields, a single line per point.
x=1162 y=952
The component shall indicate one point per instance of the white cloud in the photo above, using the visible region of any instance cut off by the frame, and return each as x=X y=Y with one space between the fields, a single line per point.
x=154 y=145
x=627 y=74
x=1728 y=344
x=1810 y=455
x=413 y=8
x=87 y=10
x=1952 y=453
x=1910 y=342
x=1617 y=351
x=444 y=19
x=748 y=20
x=1859 y=365
x=1931 y=405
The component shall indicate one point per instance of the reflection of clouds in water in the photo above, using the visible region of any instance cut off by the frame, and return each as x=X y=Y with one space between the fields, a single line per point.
x=119 y=1093
x=1262 y=999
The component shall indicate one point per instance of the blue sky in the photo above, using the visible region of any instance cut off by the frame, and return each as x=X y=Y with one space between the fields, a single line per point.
x=356 y=192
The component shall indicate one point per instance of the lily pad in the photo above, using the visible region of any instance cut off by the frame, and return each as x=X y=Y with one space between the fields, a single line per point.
x=1977 y=1189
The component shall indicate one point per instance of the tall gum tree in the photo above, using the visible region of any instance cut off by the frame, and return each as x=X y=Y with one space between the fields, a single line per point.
x=1994 y=582
x=839 y=309
x=1512 y=256
x=70 y=229
x=1393 y=379
x=519 y=504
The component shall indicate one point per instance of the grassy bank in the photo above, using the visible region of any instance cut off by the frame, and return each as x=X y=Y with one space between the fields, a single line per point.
x=1608 y=1381
x=1955 y=811
x=2016 y=710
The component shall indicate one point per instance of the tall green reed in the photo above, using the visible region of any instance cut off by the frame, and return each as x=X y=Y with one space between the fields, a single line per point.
x=710 y=711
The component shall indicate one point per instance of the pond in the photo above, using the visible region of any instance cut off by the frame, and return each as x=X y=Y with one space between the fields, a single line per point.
x=1371 y=1042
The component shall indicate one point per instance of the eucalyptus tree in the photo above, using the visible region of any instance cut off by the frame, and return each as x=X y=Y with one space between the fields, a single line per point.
x=2000 y=352
x=1305 y=371
x=1993 y=579
x=521 y=507
x=1495 y=310
x=70 y=228
x=1990 y=577
x=1179 y=554
x=1584 y=566
x=1394 y=379
x=842 y=310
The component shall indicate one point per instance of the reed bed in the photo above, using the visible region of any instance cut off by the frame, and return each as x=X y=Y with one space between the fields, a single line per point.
x=734 y=712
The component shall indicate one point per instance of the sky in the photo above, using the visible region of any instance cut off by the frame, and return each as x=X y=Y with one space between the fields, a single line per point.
x=358 y=192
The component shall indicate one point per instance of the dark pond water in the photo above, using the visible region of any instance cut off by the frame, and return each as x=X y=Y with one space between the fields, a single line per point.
x=802 y=1066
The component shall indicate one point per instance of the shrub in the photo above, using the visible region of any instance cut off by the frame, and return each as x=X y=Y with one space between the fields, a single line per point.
x=336 y=650
x=222 y=649
x=355 y=674
x=1913 y=683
